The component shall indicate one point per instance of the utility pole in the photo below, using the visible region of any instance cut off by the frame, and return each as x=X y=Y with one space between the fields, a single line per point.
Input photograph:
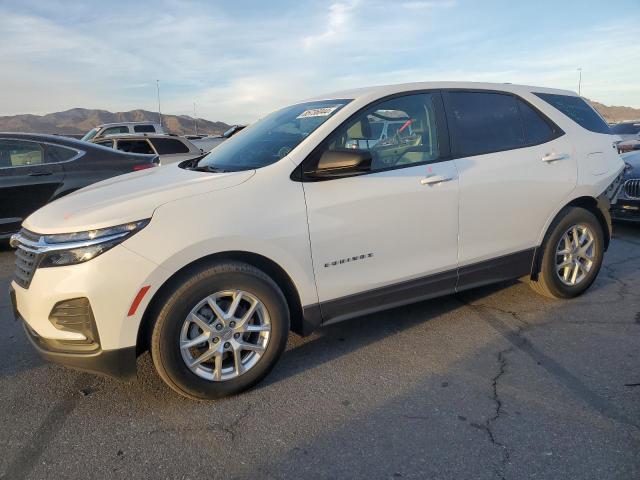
x=159 y=114
x=195 y=119
x=579 y=79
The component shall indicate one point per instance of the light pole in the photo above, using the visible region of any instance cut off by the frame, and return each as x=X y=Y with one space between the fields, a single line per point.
x=159 y=114
x=579 y=79
x=195 y=119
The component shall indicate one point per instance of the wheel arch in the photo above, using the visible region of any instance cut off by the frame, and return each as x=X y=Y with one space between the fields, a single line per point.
x=266 y=265
x=590 y=204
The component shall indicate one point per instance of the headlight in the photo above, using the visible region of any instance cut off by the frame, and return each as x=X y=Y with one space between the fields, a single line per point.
x=78 y=247
x=627 y=167
x=72 y=256
x=125 y=229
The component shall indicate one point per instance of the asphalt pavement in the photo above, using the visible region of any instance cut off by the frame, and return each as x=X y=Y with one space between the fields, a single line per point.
x=492 y=383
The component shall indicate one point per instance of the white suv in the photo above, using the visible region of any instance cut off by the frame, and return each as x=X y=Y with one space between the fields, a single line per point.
x=210 y=263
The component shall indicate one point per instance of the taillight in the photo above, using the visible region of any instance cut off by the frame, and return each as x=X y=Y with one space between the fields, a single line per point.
x=143 y=166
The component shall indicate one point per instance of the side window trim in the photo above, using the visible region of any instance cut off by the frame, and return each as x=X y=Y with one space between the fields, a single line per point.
x=43 y=145
x=453 y=137
x=444 y=142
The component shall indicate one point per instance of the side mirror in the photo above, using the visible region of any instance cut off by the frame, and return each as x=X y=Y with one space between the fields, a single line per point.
x=343 y=163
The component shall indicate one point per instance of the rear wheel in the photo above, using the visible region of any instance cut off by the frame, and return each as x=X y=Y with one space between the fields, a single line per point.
x=573 y=250
x=220 y=332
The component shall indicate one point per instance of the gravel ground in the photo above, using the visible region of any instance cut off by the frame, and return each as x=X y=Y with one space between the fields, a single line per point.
x=492 y=383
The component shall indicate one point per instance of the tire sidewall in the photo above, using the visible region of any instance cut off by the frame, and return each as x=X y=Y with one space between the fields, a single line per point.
x=181 y=303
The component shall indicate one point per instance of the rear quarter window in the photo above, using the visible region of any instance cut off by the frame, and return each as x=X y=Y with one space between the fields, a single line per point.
x=144 y=129
x=56 y=154
x=135 y=146
x=168 y=146
x=577 y=110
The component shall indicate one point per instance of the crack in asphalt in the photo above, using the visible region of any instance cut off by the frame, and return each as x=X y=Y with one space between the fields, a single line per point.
x=231 y=428
x=488 y=425
x=517 y=340
x=574 y=384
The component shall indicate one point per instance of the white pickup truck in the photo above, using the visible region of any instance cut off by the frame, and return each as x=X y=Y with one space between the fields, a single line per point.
x=122 y=127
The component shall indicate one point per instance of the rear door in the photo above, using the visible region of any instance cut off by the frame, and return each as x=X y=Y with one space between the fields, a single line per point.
x=515 y=167
x=30 y=175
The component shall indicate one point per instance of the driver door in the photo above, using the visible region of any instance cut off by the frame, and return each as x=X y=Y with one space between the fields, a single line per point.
x=387 y=236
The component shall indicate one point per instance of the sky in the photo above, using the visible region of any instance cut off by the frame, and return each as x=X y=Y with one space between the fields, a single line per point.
x=238 y=60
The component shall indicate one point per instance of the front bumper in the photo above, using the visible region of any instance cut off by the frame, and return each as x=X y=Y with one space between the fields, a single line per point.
x=119 y=363
x=626 y=209
x=110 y=283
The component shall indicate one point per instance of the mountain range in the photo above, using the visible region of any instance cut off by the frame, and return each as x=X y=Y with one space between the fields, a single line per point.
x=80 y=120
x=614 y=114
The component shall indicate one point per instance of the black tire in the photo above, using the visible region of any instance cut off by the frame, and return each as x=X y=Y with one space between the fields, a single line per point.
x=548 y=282
x=212 y=278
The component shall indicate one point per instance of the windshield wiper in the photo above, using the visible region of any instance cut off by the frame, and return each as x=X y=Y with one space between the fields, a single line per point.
x=207 y=168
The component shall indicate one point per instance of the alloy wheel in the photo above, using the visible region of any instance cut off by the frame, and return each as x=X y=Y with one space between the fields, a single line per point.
x=225 y=335
x=575 y=254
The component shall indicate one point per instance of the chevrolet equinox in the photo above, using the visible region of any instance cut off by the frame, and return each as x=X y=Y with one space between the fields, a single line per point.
x=308 y=217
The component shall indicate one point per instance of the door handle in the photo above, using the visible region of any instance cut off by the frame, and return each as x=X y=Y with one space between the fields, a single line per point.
x=553 y=156
x=39 y=174
x=434 y=179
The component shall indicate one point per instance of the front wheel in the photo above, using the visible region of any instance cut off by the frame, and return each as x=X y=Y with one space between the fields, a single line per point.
x=220 y=332
x=573 y=251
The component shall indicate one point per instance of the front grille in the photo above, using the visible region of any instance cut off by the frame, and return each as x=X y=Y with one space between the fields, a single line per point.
x=26 y=261
x=632 y=188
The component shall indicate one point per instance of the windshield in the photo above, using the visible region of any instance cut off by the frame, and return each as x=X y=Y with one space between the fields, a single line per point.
x=90 y=134
x=271 y=138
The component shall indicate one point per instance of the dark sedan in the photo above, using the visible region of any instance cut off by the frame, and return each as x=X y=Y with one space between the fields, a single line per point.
x=36 y=169
x=628 y=204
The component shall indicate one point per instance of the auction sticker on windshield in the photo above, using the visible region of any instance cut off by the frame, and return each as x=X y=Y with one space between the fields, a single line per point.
x=319 y=112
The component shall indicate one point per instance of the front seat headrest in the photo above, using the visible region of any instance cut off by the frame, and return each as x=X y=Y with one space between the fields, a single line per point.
x=360 y=130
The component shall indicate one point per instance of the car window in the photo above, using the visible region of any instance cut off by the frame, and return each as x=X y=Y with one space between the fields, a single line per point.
x=577 y=110
x=105 y=143
x=167 y=146
x=90 y=134
x=16 y=153
x=135 y=146
x=271 y=138
x=411 y=135
x=144 y=129
x=114 y=131
x=485 y=122
x=56 y=153
x=536 y=129
x=626 y=128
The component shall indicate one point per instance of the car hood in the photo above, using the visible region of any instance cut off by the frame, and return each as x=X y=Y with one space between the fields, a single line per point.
x=127 y=198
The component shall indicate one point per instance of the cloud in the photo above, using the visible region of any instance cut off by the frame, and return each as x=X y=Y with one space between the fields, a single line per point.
x=338 y=21
x=238 y=63
x=428 y=4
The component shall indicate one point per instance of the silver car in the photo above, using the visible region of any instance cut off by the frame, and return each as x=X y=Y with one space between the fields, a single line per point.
x=629 y=133
x=120 y=128
x=169 y=148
